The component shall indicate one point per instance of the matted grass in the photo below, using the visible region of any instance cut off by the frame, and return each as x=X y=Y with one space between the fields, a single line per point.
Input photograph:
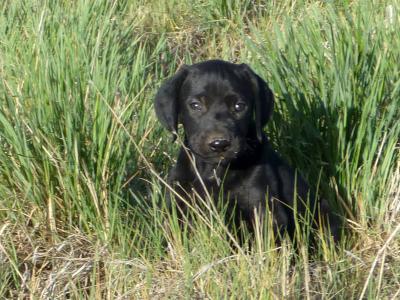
x=82 y=156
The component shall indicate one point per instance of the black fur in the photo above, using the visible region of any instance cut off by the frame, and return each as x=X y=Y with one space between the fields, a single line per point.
x=223 y=108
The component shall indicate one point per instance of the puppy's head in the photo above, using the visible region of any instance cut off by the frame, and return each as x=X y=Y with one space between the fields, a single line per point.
x=221 y=106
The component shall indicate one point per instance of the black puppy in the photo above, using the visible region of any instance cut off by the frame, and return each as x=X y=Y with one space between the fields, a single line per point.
x=223 y=108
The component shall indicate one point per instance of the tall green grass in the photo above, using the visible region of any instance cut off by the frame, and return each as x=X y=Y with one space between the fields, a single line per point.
x=82 y=156
x=336 y=76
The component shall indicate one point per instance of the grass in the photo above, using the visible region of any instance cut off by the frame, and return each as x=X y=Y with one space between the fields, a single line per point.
x=83 y=156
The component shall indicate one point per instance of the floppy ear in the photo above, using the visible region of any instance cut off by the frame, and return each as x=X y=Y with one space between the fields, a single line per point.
x=166 y=101
x=263 y=100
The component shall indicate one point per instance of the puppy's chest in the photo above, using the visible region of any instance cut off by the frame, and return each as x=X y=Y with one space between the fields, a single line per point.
x=238 y=187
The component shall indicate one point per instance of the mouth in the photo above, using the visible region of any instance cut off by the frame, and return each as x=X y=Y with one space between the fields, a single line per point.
x=216 y=158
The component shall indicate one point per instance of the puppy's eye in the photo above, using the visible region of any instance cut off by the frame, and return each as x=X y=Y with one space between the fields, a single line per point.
x=240 y=106
x=196 y=105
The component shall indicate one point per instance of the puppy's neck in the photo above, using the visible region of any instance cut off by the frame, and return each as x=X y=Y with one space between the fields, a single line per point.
x=251 y=155
x=216 y=171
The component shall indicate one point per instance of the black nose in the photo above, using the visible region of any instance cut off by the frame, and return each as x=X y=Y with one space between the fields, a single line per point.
x=219 y=145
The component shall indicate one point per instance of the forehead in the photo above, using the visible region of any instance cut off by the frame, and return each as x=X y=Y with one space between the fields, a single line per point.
x=217 y=81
